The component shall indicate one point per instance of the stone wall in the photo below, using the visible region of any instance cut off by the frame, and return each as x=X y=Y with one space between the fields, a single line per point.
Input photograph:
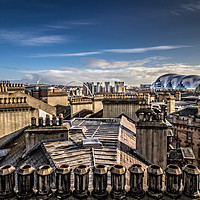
x=35 y=103
x=114 y=107
x=57 y=98
x=13 y=118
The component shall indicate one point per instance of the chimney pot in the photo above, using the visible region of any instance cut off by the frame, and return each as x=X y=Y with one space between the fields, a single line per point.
x=100 y=182
x=63 y=181
x=60 y=119
x=54 y=120
x=33 y=121
x=191 y=181
x=173 y=181
x=118 y=182
x=154 y=181
x=25 y=176
x=44 y=181
x=81 y=180
x=7 y=181
x=47 y=123
x=40 y=121
x=136 y=181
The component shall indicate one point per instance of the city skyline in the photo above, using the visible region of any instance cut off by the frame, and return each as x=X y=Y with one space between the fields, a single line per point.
x=136 y=42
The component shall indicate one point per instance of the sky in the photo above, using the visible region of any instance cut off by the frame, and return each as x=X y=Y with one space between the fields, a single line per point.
x=135 y=41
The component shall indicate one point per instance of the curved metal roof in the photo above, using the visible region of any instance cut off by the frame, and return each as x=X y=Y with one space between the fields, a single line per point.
x=176 y=81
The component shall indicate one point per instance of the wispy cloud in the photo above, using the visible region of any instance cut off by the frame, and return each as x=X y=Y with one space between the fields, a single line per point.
x=7 y=67
x=187 y=8
x=135 y=50
x=30 y=38
x=192 y=7
x=67 y=54
x=70 y=24
x=106 y=64
x=141 y=50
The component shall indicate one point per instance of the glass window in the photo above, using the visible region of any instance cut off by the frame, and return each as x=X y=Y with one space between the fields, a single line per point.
x=189 y=135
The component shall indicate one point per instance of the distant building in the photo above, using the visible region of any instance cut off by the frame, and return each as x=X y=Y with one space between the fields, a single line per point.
x=176 y=82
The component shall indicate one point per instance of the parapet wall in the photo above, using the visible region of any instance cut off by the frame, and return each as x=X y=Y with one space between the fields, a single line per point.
x=178 y=183
x=6 y=86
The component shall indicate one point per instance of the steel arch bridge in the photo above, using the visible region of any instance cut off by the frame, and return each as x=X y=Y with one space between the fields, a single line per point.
x=78 y=82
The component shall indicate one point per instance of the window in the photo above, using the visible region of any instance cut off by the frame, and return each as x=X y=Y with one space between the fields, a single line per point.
x=175 y=133
x=189 y=135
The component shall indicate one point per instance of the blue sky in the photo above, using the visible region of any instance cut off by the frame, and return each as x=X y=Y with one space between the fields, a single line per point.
x=58 y=41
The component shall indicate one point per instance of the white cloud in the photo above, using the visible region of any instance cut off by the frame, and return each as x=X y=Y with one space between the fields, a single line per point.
x=132 y=75
x=31 y=38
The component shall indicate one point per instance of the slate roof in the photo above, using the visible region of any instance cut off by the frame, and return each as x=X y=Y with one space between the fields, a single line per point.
x=105 y=130
x=15 y=146
x=190 y=110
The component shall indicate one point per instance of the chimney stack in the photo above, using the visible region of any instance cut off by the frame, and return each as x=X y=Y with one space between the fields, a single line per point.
x=170 y=105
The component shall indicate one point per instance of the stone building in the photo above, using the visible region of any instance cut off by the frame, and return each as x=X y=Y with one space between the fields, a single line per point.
x=17 y=108
x=57 y=98
x=186 y=129
x=114 y=105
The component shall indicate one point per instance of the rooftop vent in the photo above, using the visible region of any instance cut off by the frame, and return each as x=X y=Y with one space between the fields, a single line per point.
x=92 y=143
x=77 y=129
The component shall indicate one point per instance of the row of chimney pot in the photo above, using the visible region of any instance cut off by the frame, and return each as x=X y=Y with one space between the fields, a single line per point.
x=48 y=121
x=13 y=100
x=25 y=187
x=149 y=117
x=8 y=84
